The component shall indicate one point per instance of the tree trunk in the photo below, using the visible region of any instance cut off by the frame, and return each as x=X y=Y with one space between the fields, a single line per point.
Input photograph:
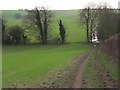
x=45 y=30
x=42 y=37
x=87 y=25
x=91 y=32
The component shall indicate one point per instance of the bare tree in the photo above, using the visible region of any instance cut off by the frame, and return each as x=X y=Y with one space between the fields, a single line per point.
x=3 y=28
x=89 y=16
x=84 y=14
x=42 y=19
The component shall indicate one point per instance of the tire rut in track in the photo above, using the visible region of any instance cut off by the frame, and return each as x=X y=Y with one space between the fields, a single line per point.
x=79 y=75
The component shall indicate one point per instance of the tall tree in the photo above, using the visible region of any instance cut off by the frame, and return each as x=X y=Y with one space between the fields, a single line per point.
x=3 y=29
x=85 y=15
x=42 y=19
x=88 y=15
x=62 y=32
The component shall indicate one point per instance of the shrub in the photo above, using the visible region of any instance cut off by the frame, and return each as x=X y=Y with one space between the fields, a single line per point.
x=16 y=33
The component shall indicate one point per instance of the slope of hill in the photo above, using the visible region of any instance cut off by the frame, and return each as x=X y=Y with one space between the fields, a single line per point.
x=75 y=31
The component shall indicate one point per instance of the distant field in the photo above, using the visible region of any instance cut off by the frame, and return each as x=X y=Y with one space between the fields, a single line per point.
x=29 y=64
x=10 y=17
x=75 y=31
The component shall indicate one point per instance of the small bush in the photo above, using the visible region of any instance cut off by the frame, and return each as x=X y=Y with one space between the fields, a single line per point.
x=15 y=34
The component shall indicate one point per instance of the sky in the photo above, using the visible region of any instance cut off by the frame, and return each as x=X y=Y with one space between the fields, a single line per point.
x=51 y=4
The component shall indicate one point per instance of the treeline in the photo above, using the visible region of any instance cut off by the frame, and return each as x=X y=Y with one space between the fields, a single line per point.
x=100 y=19
x=37 y=23
x=108 y=23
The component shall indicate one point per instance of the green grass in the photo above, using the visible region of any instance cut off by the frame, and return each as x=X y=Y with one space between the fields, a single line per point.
x=12 y=22
x=10 y=17
x=11 y=13
x=27 y=64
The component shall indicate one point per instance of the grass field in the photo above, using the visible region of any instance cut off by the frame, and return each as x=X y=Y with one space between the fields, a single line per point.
x=23 y=63
x=10 y=17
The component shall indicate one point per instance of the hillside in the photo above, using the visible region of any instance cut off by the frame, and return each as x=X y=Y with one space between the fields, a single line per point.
x=75 y=30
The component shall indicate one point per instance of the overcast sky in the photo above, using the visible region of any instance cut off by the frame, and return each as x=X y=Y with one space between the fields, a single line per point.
x=51 y=4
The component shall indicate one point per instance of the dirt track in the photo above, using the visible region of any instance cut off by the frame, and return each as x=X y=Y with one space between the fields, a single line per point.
x=78 y=79
x=104 y=76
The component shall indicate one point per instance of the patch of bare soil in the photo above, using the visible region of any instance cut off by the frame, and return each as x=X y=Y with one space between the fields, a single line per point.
x=79 y=75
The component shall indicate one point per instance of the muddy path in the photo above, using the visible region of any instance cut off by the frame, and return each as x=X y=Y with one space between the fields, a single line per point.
x=79 y=75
